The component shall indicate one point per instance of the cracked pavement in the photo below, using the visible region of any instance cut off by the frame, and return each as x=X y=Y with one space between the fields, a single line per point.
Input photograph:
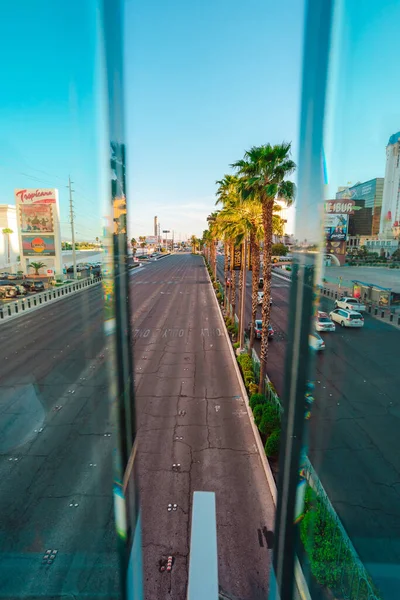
x=190 y=412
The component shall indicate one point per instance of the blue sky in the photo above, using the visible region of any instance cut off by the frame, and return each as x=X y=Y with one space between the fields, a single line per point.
x=204 y=81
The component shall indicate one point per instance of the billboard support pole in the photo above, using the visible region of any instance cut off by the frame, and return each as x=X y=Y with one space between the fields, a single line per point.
x=71 y=216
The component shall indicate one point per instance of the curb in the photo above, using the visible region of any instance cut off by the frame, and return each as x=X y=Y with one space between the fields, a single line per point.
x=301 y=583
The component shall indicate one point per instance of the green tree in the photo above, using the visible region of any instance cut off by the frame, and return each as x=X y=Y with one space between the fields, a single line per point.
x=265 y=169
x=134 y=246
x=142 y=242
x=279 y=250
x=37 y=266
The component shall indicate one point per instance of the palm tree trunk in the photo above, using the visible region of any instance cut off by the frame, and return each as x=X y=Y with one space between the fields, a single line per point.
x=255 y=259
x=233 y=292
x=214 y=265
x=8 y=249
x=267 y=211
x=225 y=273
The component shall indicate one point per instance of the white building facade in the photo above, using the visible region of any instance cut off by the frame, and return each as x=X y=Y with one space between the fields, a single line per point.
x=390 y=215
x=9 y=242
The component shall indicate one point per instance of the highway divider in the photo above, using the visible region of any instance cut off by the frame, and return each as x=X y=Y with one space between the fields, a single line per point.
x=17 y=308
x=332 y=558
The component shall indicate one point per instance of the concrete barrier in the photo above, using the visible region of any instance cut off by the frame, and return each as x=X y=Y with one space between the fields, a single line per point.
x=20 y=307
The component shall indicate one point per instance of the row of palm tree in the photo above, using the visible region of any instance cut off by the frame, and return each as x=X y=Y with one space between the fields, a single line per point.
x=246 y=223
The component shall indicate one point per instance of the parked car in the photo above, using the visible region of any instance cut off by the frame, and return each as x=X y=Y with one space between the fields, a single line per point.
x=7 y=291
x=258 y=330
x=260 y=298
x=21 y=291
x=316 y=342
x=350 y=303
x=33 y=286
x=347 y=318
x=13 y=276
x=228 y=282
x=323 y=322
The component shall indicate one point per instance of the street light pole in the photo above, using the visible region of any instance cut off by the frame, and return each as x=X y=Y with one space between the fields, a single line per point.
x=71 y=216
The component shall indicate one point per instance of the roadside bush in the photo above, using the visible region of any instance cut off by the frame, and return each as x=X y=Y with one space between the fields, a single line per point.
x=319 y=535
x=257 y=399
x=248 y=379
x=253 y=387
x=236 y=345
x=245 y=361
x=219 y=296
x=257 y=413
x=270 y=419
x=272 y=444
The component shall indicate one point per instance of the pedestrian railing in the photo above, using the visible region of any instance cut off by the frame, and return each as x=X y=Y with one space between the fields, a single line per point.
x=22 y=306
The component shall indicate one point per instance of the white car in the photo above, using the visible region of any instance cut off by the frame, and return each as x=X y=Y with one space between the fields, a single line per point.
x=347 y=318
x=350 y=304
x=316 y=342
x=323 y=322
x=260 y=298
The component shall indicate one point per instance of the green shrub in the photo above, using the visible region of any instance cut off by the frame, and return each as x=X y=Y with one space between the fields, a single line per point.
x=257 y=413
x=245 y=361
x=257 y=399
x=248 y=379
x=236 y=345
x=219 y=296
x=253 y=387
x=270 y=419
x=272 y=444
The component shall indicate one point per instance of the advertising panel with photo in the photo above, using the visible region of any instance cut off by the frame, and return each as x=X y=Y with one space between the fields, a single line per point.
x=336 y=227
x=38 y=246
x=36 y=217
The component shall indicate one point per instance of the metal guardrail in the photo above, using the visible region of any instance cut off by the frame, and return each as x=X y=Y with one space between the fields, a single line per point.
x=22 y=306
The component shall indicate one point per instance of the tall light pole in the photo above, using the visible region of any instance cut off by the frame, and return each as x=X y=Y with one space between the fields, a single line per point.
x=71 y=217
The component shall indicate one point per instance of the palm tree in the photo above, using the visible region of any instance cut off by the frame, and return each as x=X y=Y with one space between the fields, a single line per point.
x=265 y=169
x=228 y=194
x=134 y=246
x=7 y=232
x=213 y=230
x=37 y=266
x=193 y=242
x=142 y=242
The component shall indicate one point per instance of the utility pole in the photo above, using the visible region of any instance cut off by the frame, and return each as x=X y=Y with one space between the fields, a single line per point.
x=71 y=217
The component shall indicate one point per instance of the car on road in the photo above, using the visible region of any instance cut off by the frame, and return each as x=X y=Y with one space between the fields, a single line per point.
x=323 y=322
x=260 y=298
x=261 y=283
x=350 y=303
x=33 y=286
x=228 y=282
x=316 y=342
x=347 y=318
x=258 y=330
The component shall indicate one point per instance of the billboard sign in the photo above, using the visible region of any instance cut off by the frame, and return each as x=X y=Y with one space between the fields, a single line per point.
x=36 y=217
x=35 y=245
x=236 y=261
x=38 y=196
x=340 y=207
x=336 y=226
x=39 y=227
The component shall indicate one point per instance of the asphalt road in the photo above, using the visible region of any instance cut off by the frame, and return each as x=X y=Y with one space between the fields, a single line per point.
x=190 y=412
x=354 y=430
x=57 y=442
x=55 y=454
